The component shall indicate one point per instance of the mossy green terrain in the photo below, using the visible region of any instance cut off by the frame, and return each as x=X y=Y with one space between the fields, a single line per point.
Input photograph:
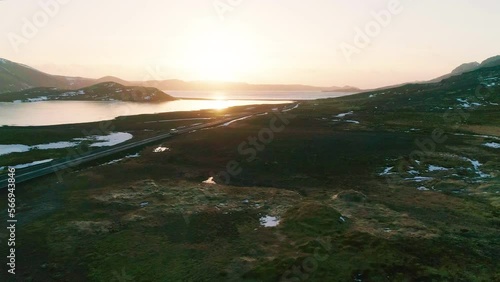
x=391 y=185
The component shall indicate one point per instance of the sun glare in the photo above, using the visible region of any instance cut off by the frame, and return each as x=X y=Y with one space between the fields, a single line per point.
x=219 y=56
x=220 y=104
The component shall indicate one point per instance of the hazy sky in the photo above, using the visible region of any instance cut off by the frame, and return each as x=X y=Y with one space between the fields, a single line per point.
x=258 y=41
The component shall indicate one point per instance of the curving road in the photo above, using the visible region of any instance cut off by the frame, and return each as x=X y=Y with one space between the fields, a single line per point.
x=69 y=162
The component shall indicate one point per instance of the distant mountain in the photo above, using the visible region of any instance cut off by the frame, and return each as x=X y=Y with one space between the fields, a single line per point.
x=107 y=91
x=465 y=68
x=346 y=88
x=17 y=77
x=491 y=62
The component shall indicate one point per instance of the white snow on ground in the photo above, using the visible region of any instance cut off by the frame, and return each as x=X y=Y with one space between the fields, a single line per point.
x=436 y=168
x=422 y=188
x=475 y=135
x=344 y=114
x=39 y=99
x=56 y=145
x=32 y=164
x=477 y=165
x=72 y=93
x=386 y=171
x=228 y=123
x=100 y=141
x=269 y=221
x=352 y=121
x=464 y=104
x=67 y=94
x=492 y=145
x=111 y=139
x=210 y=180
x=419 y=179
x=17 y=148
x=161 y=149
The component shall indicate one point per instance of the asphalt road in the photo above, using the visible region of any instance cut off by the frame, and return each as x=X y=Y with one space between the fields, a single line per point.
x=60 y=165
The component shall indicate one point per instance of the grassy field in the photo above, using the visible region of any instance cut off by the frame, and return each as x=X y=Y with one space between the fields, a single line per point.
x=392 y=185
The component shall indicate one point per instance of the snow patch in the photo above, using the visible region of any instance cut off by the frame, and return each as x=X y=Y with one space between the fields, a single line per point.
x=32 y=164
x=210 y=180
x=352 y=121
x=436 y=168
x=476 y=164
x=39 y=99
x=386 y=171
x=111 y=139
x=102 y=141
x=492 y=145
x=419 y=179
x=56 y=145
x=269 y=221
x=161 y=149
x=16 y=148
x=344 y=114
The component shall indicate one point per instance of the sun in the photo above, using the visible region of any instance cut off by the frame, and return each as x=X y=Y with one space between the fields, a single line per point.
x=220 y=104
x=219 y=55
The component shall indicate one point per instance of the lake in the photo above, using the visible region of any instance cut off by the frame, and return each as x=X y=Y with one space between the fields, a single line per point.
x=67 y=112
x=257 y=95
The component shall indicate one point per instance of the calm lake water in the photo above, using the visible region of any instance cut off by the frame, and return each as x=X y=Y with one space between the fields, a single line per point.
x=257 y=95
x=66 y=112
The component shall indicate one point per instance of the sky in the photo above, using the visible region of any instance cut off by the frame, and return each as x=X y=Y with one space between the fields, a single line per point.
x=323 y=42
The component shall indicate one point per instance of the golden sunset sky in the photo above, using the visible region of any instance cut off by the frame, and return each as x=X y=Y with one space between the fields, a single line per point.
x=256 y=41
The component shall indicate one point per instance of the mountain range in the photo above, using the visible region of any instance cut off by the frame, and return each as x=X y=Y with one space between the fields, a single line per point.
x=468 y=67
x=15 y=77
